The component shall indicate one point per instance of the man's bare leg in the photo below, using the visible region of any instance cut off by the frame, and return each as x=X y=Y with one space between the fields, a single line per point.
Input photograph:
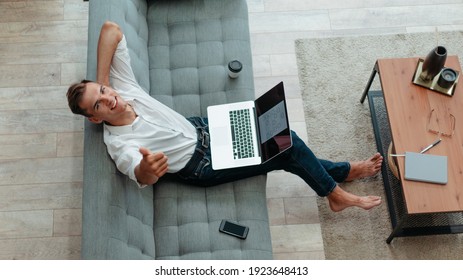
x=365 y=168
x=339 y=200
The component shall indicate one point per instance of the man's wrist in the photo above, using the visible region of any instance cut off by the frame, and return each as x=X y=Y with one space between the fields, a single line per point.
x=144 y=177
x=103 y=81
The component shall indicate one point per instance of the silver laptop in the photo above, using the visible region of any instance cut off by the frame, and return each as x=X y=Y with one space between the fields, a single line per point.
x=250 y=132
x=426 y=168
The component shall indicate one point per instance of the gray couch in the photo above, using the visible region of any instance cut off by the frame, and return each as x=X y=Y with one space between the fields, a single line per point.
x=179 y=50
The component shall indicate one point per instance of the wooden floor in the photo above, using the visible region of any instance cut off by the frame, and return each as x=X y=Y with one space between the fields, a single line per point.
x=43 y=50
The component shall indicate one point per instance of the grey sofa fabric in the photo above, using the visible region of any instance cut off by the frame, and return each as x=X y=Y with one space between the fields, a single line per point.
x=190 y=43
x=179 y=51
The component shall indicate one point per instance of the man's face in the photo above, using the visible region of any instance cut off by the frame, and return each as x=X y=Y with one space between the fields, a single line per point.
x=102 y=103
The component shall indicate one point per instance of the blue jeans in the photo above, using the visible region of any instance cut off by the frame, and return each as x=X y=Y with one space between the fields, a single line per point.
x=320 y=175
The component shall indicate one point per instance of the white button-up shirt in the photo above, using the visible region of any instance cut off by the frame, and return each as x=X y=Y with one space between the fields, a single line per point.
x=157 y=127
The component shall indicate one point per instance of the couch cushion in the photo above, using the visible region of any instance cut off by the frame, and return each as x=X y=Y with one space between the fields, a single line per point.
x=190 y=44
x=131 y=220
x=187 y=221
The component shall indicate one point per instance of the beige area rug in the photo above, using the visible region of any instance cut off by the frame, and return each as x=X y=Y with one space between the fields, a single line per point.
x=333 y=73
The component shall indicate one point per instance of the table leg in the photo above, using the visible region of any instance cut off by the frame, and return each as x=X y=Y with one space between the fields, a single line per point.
x=396 y=229
x=370 y=81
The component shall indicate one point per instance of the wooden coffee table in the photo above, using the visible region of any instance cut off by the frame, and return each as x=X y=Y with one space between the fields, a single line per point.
x=415 y=114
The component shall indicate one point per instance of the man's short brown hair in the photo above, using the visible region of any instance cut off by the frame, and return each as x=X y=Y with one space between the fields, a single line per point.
x=74 y=96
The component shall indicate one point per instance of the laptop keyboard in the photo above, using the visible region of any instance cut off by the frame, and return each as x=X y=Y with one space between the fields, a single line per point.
x=243 y=146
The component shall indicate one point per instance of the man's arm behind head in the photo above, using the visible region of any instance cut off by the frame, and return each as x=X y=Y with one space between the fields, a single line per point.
x=110 y=36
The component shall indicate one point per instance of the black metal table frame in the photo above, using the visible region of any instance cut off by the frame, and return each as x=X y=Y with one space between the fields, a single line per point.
x=400 y=219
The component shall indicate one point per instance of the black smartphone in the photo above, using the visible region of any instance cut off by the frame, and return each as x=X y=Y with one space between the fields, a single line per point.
x=234 y=229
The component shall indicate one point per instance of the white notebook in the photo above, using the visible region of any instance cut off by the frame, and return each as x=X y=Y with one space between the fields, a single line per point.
x=426 y=168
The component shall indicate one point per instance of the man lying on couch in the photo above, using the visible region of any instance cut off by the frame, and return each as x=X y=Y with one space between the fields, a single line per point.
x=147 y=139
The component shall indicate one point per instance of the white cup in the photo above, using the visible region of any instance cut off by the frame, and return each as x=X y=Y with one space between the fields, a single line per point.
x=234 y=68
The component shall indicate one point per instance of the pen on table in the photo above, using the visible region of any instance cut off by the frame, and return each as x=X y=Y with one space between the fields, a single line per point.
x=430 y=146
x=422 y=151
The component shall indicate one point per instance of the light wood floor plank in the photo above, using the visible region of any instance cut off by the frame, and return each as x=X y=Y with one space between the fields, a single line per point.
x=75 y=9
x=298 y=5
x=39 y=121
x=292 y=87
x=41 y=196
x=50 y=248
x=67 y=222
x=73 y=73
x=49 y=52
x=26 y=224
x=70 y=144
x=312 y=255
x=43 y=31
x=40 y=171
x=397 y=16
x=294 y=238
x=289 y=21
x=33 y=98
x=29 y=75
x=28 y=145
x=31 y=11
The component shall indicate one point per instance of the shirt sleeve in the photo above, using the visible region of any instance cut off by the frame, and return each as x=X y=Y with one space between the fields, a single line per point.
x=121 y=73
x=126 y=158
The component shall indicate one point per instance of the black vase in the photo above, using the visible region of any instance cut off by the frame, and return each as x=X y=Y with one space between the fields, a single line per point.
x=433 y=63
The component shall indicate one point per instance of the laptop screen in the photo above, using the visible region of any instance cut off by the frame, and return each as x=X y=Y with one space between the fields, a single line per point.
x=272 y=119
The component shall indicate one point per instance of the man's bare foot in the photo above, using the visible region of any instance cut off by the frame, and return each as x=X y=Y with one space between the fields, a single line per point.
x=365 y=168
x=339 y=200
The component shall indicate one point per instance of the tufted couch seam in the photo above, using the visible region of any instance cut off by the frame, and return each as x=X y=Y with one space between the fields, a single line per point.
x=142 y=251
x=129 y=214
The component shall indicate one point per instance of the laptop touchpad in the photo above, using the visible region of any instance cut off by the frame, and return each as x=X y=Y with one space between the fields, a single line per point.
x=222 y=136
